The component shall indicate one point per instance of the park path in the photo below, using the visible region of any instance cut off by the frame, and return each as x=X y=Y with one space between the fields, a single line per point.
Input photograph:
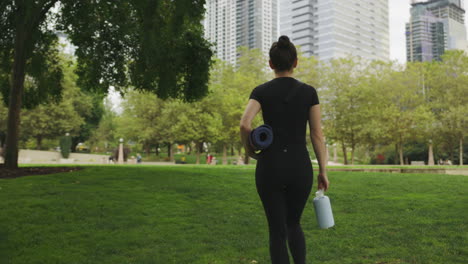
x=27 y=156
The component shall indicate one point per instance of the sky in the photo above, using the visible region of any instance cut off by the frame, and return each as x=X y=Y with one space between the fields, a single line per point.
x=399 y=15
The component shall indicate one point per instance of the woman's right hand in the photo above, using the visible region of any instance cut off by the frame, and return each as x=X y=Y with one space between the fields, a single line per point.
x=323 y=182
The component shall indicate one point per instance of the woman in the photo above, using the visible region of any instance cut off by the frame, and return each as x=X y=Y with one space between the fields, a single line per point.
x=284 y=173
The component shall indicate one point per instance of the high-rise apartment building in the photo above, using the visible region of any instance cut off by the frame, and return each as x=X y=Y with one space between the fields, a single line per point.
x=257 y=24
x=220 y=28
x=233 y=23
x=336 y=28
x=435 y=26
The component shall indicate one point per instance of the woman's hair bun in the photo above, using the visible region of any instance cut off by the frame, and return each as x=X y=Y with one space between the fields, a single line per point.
x=283 y=42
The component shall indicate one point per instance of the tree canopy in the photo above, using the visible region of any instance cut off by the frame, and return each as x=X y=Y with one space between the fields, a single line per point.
x=155 y=46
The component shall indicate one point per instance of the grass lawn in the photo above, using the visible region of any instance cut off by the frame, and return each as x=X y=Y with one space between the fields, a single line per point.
x=213 y=215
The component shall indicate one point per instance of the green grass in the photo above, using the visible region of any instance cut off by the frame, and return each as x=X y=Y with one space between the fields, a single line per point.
x=202 y=214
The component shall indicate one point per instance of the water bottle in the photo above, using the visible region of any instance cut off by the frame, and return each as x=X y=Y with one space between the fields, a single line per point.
x=323 y=210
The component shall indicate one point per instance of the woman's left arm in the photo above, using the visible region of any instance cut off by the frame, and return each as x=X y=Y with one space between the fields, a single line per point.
x=253 y=107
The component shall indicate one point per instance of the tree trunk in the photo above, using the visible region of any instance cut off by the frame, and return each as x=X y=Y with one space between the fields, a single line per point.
x=232 y=150
x=157 y=149
x=147 y=149
x=345 y=157
x=171 y=152
x=430 y=160
x=461 y=151
x=352 y=155
x=224 y=154
x=400 y=152
x=39 y=143
x=16 y=93
x=335 y=154
x=2 y=139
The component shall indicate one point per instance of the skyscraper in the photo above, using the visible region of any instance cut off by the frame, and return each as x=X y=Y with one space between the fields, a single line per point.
x=233 y=23
x=335 y=28
x=220 y=28
x=257 y=24
x=435 y=26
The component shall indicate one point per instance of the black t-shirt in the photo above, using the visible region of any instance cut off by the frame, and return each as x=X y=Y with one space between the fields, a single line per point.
x=288 y=120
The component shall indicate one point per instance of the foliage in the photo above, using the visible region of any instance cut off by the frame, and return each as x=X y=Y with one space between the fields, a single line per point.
x=128 y=43
x=119 y=43
x=346 y=103
x=140 y=120
x=448 y=97
x=105 y=137
x=43 y=65
x=74 y=114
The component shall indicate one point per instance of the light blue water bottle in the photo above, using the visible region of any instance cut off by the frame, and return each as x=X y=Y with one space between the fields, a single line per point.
x=323 y=210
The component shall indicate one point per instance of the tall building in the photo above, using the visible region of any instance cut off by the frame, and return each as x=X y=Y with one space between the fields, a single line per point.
x=220 y=28
x=257 y=24
x=435 y=26
x=234 y=23
x=336 y=28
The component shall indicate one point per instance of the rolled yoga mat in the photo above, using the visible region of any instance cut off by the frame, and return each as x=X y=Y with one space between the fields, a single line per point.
x=261 y=137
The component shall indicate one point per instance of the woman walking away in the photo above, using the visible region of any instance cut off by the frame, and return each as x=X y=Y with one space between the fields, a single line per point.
x=284 y=175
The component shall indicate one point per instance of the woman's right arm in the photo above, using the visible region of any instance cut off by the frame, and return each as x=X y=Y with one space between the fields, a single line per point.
x=316 y=136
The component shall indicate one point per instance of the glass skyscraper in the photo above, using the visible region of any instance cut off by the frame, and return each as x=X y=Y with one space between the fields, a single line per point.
x=337 y=28
x=435 y=26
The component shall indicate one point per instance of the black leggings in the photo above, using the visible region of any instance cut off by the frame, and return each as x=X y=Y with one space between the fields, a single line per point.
x=284 y=193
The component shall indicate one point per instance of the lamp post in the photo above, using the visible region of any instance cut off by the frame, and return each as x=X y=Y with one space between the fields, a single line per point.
x=121 y=154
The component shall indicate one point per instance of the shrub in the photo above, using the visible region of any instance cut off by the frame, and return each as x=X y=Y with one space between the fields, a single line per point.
x=65 y=146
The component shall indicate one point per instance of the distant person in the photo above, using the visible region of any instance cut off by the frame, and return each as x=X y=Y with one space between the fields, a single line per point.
x=283 y=174
x=138 y=158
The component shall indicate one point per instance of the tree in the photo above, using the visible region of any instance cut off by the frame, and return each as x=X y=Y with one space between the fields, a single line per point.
x=197 y=122
x=104 y=137
x=3 y=125
x=451 y=104
x=402 y=108
x=252 y=70
x=50 y=120
x=140 y=118
x=27 y=48
x=347 y=110
x=228 y=102
x=308 y=71
x=155 y=45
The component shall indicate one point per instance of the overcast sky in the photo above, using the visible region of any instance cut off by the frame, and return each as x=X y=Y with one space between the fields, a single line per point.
x=399 y=15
